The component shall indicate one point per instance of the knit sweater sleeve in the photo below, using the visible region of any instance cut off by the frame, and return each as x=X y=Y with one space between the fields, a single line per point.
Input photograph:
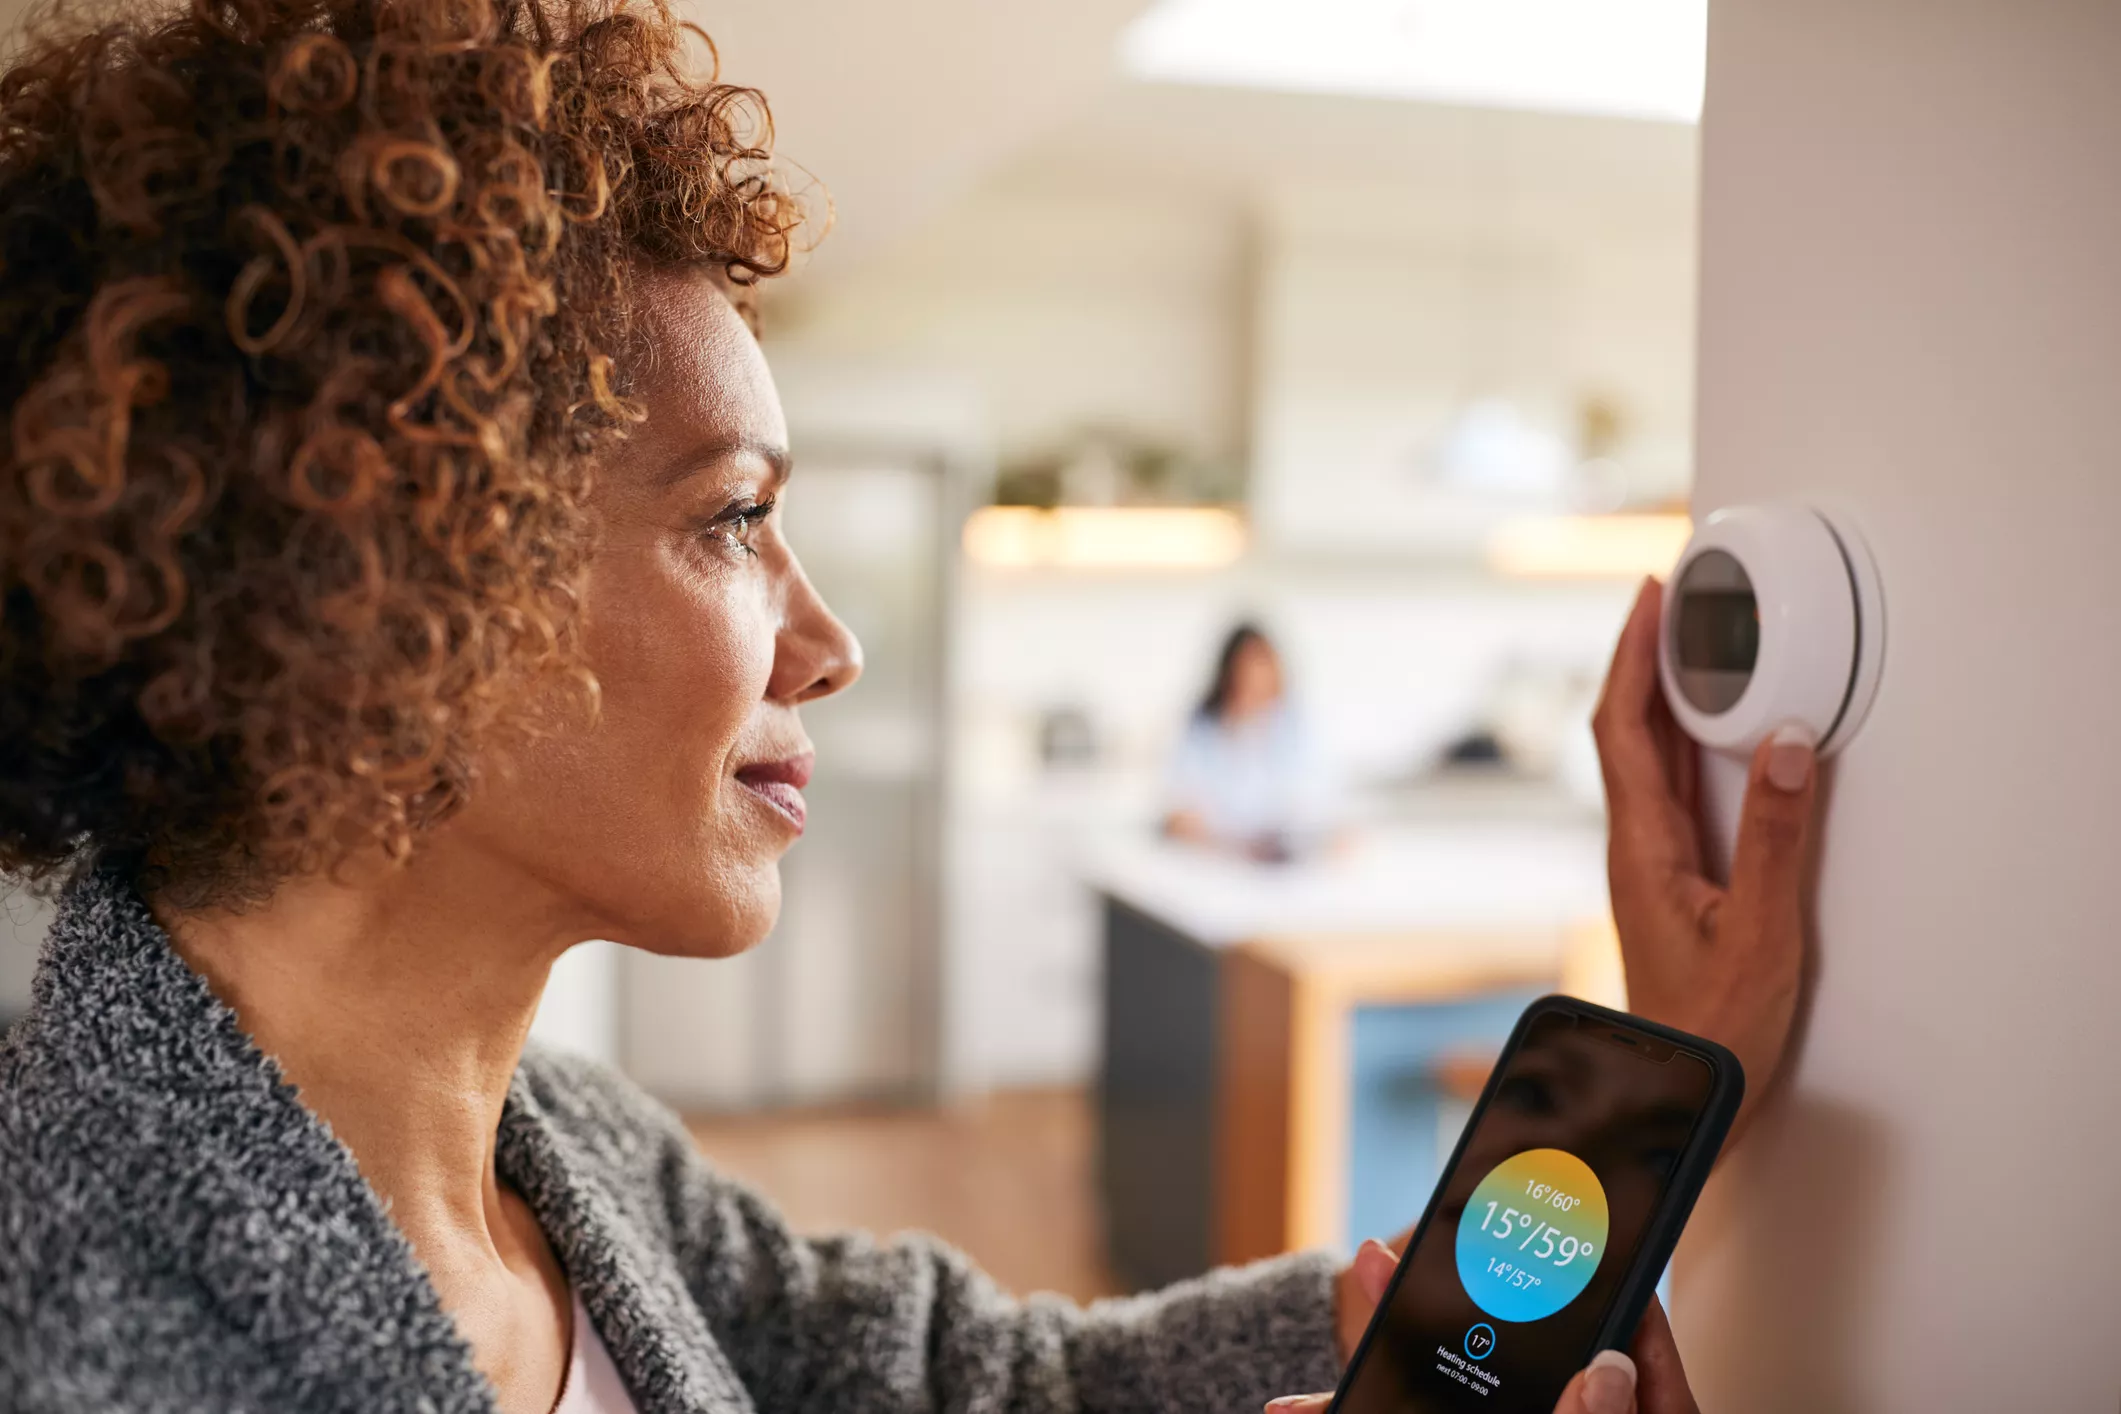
x=850 y=1323
x=854 y=1325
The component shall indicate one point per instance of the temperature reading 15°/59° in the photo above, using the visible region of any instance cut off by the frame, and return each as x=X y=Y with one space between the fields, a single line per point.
x=1532 y=1234
x=1539 y=1238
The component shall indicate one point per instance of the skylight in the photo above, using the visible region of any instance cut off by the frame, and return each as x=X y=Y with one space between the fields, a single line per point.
x=1623 y=58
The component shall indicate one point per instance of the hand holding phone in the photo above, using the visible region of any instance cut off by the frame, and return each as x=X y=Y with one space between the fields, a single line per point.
x=1555 y=1217
x=1652 y=1381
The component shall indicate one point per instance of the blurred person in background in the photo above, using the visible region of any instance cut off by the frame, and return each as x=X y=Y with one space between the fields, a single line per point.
x=1247 y=776
x=393 y=595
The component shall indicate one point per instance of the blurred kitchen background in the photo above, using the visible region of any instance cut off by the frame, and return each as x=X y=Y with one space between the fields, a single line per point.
x=1369 y=321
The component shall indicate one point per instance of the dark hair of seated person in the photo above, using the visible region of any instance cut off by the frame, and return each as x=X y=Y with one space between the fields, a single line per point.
x=1216 y=700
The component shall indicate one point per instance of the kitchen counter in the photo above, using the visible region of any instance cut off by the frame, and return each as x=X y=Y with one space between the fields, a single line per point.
x=1440 y=877
x=1230 y=1093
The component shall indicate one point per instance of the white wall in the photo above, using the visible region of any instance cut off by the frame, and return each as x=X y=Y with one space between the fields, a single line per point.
x=580 y=1009
x=1912 y=213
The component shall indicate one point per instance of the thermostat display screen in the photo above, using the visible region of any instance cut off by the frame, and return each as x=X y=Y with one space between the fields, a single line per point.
x=1719 y=630
x=1715 y=631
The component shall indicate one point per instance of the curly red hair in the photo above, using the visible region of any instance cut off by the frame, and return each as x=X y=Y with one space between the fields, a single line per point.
x=313 y=317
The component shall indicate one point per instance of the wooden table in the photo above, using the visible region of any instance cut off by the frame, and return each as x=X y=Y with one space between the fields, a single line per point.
x=1283 y=1118
x=1224 y=1090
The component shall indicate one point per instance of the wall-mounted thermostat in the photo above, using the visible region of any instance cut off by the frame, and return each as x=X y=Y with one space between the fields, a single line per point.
x=1773 y=615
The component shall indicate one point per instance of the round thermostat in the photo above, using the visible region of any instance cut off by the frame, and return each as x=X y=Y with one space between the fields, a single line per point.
x=1773 y=616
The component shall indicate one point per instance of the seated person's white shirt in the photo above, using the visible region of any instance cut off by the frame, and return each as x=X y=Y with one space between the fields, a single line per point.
x=593 y=1384
x=1263 y=778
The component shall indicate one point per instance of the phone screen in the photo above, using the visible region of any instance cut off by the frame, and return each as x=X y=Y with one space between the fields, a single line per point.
x=1496 y=1306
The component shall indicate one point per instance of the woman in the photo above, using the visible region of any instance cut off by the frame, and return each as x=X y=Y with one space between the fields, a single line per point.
x=394 y=597
x=1244 y=777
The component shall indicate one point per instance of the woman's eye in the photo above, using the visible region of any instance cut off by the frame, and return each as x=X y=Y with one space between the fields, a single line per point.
x=735 y=526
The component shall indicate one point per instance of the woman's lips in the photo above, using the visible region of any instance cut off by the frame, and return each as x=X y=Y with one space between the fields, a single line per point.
x=780 y=784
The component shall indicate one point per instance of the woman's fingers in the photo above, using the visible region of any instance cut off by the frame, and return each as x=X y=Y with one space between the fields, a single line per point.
x=1682 y=758
x=1652 y=1381
x=1761 y=928
x=1360 y=1286
x=1627 y=745
x=1774 y=832
x=1664 y=1389
x=1605 y=1386
x=1647 y=761
x=1373 y=1269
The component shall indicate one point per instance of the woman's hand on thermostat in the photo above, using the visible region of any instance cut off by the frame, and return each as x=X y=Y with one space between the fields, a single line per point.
x=1725 y=962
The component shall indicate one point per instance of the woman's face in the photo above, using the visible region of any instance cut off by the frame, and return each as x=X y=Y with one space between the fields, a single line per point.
x=1255 y=680
x=662 y=826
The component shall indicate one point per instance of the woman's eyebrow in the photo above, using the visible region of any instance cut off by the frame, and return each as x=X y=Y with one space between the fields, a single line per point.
x=707 y=454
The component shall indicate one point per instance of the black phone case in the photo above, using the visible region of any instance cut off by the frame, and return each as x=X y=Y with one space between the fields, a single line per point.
x=1640 y=1281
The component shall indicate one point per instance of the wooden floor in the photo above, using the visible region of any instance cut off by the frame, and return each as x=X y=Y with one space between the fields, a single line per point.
x=1007 y=1179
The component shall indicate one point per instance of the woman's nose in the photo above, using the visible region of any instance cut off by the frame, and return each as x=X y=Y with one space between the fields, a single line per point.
x=816 y=655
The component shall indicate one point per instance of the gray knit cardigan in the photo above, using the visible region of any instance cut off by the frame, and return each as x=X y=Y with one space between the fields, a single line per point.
x=177 y=1232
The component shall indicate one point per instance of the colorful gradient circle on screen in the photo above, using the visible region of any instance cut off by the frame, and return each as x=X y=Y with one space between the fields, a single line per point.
x=1532 y=1235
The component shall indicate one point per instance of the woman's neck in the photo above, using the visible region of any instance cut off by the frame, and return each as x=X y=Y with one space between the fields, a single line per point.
x=397 y=1001
x=398 y=1008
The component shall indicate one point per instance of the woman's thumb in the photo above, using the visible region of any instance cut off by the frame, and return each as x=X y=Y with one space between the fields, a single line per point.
x=1775 y=828
x=1605 y=1386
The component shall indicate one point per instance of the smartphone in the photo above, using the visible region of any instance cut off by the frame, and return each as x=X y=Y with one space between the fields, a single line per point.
x=1554 y=1219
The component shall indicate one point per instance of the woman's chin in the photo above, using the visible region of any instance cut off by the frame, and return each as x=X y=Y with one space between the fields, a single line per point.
x=732 y=916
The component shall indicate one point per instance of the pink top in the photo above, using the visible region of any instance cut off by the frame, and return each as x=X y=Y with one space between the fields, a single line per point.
x=593 y=1384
